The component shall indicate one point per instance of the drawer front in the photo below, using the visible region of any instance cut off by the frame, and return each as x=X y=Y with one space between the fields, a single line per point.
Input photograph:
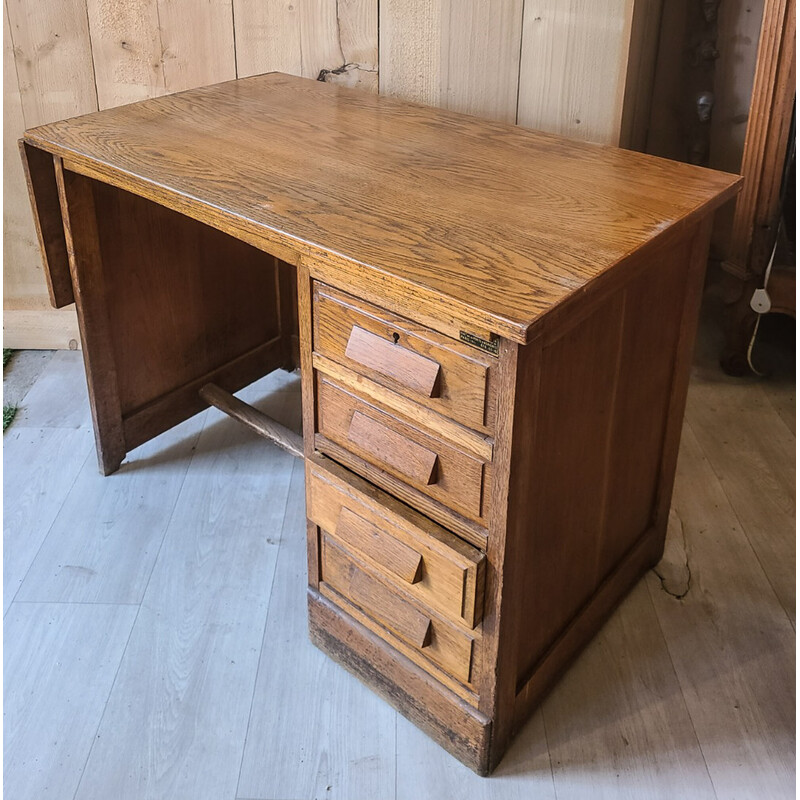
x=427 y=561
x=433 y=370
x=418 y=458
x=427 y=634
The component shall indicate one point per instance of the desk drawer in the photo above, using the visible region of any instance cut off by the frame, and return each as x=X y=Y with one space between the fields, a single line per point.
x=427 y=634
x=438 y=372
x=409 y=550
x=399 y=448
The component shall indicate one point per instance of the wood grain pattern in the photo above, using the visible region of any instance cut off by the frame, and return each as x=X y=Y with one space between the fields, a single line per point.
x=34 y=496
x=428 y=638
x=389 y=447
x=425 y=771
x=197 y=43
x=32 y=329
x=59 y=398
x=447 y=718
x=768 y=128
x=337 y=743
x=729 y=601
x=457 y=378
x=404 y=366
x=22 y=277
x=451 y=575
x=409 y=623
x=86 y=558
x=182 y=698
x=167 y=292
x=612 y=202
x=572 y=73
x=590 y=382
x=127 y=50
x=169 y=319
x=392 y=556
x=263 y=425
x=463 y=438
x=49 y=690
x=640 y=72
x=337 y=41
x=40 y=176
x=640 y=692
x=463 y=56
x=756 y=469
x=51 y=41
x=403 y=450
x=78 y=210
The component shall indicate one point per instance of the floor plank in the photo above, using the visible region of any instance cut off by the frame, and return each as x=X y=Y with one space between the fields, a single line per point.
x=752 y=454
x=315 y=731
x=783 y=397
x=40 y=467
x=425 y=770
x=59 y=664
x=730 y=642
x=176 y=719
x=105 y=539
x=617 y=724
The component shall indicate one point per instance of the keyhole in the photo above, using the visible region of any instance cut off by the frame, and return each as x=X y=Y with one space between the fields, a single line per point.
x=396 y=337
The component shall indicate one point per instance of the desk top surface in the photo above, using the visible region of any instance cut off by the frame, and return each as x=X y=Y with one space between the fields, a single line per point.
x=493 y=217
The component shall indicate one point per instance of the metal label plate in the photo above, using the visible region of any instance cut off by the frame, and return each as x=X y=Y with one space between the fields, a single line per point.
x=487 y=346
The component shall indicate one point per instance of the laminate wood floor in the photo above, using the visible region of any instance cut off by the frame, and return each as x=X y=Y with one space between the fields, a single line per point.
x=156 y=646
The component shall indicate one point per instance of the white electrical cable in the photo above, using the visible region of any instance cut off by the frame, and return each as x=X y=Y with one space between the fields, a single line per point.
x=761 y=305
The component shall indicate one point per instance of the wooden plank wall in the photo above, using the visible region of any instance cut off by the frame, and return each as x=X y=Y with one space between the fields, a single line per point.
x=737 y=35
x=556 y=65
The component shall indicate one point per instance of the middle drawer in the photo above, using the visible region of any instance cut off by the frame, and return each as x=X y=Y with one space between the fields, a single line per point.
x=420 y=459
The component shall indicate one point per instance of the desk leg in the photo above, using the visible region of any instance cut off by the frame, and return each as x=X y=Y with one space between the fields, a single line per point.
x=86 y=267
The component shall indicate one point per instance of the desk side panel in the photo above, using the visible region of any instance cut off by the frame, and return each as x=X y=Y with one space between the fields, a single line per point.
x=593 y=459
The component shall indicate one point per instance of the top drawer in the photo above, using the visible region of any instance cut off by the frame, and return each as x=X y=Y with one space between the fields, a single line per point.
x=427 y=367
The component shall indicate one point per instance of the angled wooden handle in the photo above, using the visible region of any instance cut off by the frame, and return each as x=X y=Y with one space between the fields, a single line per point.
x=395 y=557
x=410 y=459
x=402 y=365
x=407 y=621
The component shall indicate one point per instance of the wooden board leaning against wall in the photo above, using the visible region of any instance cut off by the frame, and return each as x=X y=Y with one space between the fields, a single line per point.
x=580 y=69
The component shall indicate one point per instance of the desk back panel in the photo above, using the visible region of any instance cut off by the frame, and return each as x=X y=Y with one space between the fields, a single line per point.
x=184 y=297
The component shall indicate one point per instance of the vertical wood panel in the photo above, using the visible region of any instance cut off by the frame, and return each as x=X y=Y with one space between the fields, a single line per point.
x=53 y=59
x=197 y=41
x=573 y=67
x=309 y=37
x=458 y=55
x=53 y=62
x=410 y=34
x=737 y=43
x=22 y=270
x=267 y=36
x=126 y=49
x=640 y=73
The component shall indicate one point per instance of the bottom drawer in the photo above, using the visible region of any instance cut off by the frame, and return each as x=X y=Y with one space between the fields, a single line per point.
x=429 y=635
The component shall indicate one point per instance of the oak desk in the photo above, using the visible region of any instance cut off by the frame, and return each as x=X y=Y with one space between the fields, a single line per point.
x=494 y=329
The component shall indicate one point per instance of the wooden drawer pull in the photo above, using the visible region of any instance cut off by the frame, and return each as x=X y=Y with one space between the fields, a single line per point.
x=392 y=448
x=394 y=556
x=408 y=368
x=409 y=623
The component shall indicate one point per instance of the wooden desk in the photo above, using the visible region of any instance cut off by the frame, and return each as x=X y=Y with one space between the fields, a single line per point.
x=494 y=328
